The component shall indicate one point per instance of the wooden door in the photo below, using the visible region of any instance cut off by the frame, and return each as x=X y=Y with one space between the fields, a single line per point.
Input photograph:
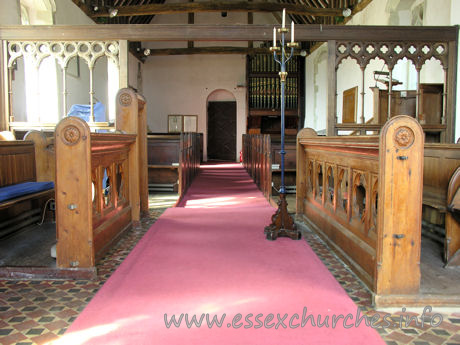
x=350 y=104
x=222 y=131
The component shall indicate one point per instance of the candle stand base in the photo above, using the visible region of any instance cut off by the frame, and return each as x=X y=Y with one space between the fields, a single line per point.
x=282 y=224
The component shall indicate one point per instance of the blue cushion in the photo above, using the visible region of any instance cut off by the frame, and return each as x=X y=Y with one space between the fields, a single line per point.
x=83 y=111
x=20 y=189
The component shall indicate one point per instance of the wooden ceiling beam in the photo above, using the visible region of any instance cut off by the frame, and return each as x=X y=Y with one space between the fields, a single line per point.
x=208 y=51
x=220 y=6
x=194 y=32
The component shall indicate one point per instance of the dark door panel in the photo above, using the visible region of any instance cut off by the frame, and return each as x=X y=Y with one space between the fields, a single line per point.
x=222 y=130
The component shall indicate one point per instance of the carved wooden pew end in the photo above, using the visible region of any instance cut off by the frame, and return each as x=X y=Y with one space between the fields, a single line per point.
x=93 y=201
x=342 y=183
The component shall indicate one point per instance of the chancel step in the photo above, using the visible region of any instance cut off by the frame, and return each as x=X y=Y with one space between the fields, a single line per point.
x=161 y=187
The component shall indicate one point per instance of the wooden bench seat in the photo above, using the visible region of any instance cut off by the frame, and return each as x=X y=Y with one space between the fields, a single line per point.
x=173 y=160
x=22 y=198
x=440 y=164
x=14 y=192
x=10 y=202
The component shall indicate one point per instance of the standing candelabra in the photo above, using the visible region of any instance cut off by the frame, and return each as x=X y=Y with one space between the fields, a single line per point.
x=282 y=224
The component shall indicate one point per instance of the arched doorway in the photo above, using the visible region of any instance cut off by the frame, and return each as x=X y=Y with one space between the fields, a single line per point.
x=221 y=125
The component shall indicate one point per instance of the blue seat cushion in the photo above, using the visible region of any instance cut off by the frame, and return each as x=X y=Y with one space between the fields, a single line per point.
x=20 y=189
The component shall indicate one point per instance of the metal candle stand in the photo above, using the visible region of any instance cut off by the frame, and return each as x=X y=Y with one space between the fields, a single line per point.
x=282 y=224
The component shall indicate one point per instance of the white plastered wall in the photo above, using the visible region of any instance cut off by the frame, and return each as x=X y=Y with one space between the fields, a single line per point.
x=181 y=84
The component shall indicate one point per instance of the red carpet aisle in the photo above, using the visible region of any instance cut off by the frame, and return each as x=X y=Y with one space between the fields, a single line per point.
x=209 y=256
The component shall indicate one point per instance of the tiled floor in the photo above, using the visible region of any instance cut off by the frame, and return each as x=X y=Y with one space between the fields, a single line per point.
x=36 y=312
x=448 y=332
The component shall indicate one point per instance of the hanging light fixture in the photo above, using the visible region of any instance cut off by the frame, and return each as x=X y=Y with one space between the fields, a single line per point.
x=346 y=12
x=113 y=12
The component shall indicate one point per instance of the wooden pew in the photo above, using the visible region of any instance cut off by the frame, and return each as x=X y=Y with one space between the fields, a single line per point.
x=163 y=162
x=90 y=215
x=452 y=221
x=257 y=160
x=262 y=160
x=173 y=161
x=17 y=166
x=45 y=158
x=342 y=183
x=441 y=162
x=289 y=162
x=131 y=112
x=189 y=162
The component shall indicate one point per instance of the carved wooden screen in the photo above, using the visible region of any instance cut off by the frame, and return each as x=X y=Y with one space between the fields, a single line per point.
x=66 y=54
x=418 y=53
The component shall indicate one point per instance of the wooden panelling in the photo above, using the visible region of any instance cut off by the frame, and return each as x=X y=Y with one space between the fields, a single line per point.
x=17 y=165
x=163 y=149
x=289 y=157
x=17 y=162
x=352 y=191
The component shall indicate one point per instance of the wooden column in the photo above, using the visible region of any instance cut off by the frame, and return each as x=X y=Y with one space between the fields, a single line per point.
x=127 y=105
x=250 y=21
x=191 y=20
x=331 y=89
x=123 y=64
x=363 y=94
x=399 y=208
x=73 y=195
x=451 y=92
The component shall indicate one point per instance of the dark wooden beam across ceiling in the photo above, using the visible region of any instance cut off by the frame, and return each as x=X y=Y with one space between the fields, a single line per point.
x=221 y=6
x=207 y=51
x=193 y=32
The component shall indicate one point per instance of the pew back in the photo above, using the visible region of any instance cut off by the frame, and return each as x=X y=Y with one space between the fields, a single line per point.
x=45 y=159
x=173 y=160
x=17 y=162
x=441 y=160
